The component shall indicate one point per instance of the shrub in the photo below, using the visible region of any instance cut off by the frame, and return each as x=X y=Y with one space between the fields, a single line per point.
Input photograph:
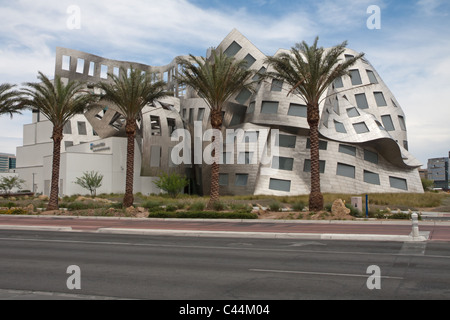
x=298 y=206
x=353 y=211
x=152 y=205
x=14 y=211
x=90 y=181
x=219 y=206
x=197 y=206
x=275 y=206
x=172 y=183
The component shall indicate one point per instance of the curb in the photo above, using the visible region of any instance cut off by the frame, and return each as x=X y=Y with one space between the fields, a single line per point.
x=266 y=235
x=35 y=228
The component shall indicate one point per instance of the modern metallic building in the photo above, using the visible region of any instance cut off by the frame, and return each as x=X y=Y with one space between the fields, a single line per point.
x=438 y=171
x=364 y=145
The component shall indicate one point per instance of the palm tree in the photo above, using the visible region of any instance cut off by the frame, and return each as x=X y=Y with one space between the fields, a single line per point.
x=58 y=102
x=131 y=92
x=9 y=99
x=216 y=80
x=309 y=71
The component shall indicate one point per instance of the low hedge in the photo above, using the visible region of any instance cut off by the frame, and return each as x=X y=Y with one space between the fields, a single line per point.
x=203 y=215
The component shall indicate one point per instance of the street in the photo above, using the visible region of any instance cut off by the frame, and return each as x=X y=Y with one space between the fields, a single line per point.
x=112 y=266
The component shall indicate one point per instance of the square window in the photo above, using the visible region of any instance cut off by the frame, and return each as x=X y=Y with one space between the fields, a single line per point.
x=339 y=127
x=82 y=128
x=269 y=107
x=283 y=163
x=307 y=166
x=155 y=126
x=241 y=180
x=91 y=69
x=387 y=122
x=103 y=71
x=258 y=75
x=67 y=128
x=250 y=60
x=286 y=141
x=232 y=49
x=379 y=98
x=371 y=177
x=347 y=149
x=371 y=76
x=356 y=77
x=345 y=170
x=398 y=183
x=277 y=85
x=223 y=179
x=280 y=185
x=338 y=83
x=353 y=112
x=370 y=156
x=66 y=63
x=361 y=101
x=243 y=96
x=323 y=145
x=298 y=110
x=80 y=65
x=360 y=127
x=200 y=114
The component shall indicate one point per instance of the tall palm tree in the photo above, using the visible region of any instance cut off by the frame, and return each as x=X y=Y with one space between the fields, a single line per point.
x=131 y=92
x=216 y=80
x=309 y=71
x=9 y=99
x=58 y=102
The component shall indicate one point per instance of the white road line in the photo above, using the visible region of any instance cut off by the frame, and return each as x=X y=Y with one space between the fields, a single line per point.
x=323 y=273
x=219 y=247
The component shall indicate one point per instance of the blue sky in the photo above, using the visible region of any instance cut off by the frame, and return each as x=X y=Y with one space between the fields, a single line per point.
x=411 y=50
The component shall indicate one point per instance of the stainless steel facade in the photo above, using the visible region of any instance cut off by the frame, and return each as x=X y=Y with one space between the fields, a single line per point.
x=363 y=130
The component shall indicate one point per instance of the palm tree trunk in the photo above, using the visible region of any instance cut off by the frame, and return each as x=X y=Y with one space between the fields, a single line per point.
x=54 y=190
x=216 y=123
x=315 y=197
x=128 y=198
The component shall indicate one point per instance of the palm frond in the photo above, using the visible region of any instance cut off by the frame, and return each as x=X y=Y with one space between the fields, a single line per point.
x=9 y=100
x=55 y=99
x=216 y=79
x=132 y=91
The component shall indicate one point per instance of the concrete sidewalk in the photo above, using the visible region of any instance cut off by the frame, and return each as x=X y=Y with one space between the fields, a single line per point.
x=359 y=230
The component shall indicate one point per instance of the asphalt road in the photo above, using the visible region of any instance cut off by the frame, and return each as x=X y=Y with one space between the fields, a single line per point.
x=34 y=265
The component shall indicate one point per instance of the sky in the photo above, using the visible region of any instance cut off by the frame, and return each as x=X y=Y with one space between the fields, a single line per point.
x=407 y=42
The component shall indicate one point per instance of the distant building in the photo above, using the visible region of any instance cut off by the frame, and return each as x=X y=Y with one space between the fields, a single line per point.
x=7 y=162
x=423 y=173
x=438 y=171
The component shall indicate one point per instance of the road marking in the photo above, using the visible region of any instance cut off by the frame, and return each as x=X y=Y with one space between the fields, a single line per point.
x=214 y=247
x=322 y=273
